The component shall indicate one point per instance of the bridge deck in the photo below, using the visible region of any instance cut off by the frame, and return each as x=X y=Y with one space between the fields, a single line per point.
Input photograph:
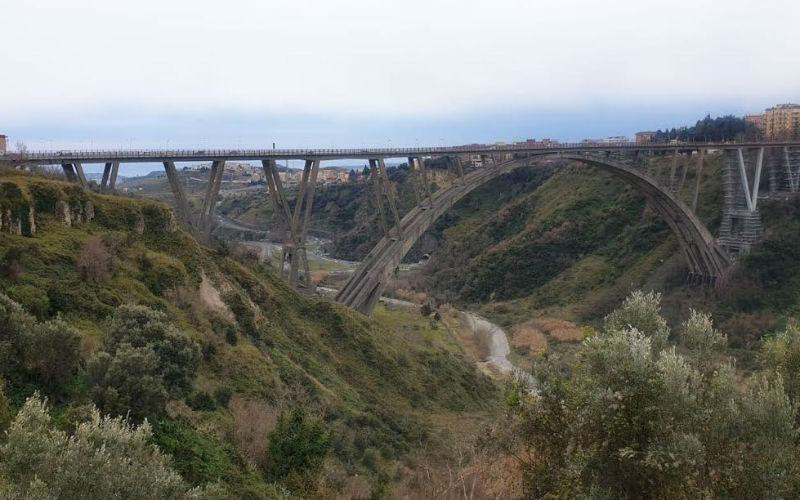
x=205 y=155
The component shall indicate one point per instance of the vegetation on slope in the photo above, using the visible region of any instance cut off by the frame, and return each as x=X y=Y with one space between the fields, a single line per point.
x=633 y=417
x=263 y=352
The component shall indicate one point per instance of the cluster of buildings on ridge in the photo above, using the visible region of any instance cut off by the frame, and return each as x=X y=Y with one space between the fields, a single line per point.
x=780 y=122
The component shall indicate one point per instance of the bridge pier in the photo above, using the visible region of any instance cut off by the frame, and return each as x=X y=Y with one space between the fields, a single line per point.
x=110 y=172
x=69 y=172
x=206 y=220
x=741 y=226
x=181 y=203
x=697 y=181
x=280 y=207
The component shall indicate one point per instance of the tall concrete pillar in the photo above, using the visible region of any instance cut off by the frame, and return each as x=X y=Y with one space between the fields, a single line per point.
x=181 y=203
x=69 y=172
x=206 y=220
x=376 y=187
x=114 y=171
x=81 y=176
x=106 y=175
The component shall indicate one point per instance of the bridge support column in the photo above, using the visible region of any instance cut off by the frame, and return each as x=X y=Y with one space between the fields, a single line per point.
x=672 y=184
x=114 y=172
x=792 y=173
x=69 y=172
x=741 y=221
x=310 y=188
x=416 y=181
x=376 y=188
x=383 y=189
x=683 y=172
x=110 y=172
x=74 y=173
x=422 y=169
x=206 y=219
x=698 y=179
x=106 y=175
x=281 y=208
x=181 y=203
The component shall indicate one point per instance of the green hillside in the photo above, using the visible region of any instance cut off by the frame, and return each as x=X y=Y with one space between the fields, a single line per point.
x=263 y=349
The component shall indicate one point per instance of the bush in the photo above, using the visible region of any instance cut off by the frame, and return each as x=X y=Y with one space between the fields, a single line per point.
x=52 y=353
x=31 y=298
x=630 y=419
x=106 y=458
x=15 y=323
x=223 y=396
x=142 y=327
x=781 y=353
x=94 y=262
x=201 y=401
x=641 y=311
x=127 y=382
x=297 y=447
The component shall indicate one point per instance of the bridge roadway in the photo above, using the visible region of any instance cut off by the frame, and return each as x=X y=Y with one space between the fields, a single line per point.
x=156 y=155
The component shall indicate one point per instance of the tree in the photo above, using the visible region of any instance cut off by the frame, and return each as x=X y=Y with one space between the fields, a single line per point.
x=105 y=458
x=365 y=173
x=15 y=323
x=52 y=352
x=781 y=353
x=353 y=176
x=142 y=327
x=127 y=382
x=297 y=448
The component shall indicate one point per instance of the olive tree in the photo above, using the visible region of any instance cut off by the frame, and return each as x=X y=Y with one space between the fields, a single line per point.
x=105 y=458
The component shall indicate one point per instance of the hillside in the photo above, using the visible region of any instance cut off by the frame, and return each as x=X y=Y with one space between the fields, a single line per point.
x=385 y=390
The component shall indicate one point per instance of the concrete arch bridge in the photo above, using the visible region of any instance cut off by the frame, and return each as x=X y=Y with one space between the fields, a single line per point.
x=658 y=171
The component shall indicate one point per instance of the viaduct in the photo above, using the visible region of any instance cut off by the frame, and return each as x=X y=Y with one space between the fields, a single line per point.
x=707 y=258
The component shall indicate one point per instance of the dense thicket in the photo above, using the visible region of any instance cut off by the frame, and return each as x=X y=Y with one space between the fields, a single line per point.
x=719 y=129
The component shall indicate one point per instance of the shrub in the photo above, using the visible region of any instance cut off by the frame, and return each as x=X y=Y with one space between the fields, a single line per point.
x=630 y=419
x=297 y=447
x=31 y=298
x=201 y=401
x=223 y=396
x=781 y=353
x=52 y=352
x=252 y=423
x=142 y=327
x=94 y=262
x=105 y=458
x=127 y=382
x=641 y=311
x=14 y=324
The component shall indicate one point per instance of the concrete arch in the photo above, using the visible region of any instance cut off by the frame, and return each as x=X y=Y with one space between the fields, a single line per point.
x=707 y=262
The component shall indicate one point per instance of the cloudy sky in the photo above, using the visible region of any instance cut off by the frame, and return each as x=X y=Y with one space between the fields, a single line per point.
x=156 y=73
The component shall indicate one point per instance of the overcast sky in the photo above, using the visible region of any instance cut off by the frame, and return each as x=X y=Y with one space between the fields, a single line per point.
x=152 y=73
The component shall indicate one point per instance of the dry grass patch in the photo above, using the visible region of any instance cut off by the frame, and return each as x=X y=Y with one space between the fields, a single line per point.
x=526 y=336
x=252 y=423
x=558 y=329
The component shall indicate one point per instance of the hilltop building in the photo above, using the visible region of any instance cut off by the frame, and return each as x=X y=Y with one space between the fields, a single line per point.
x=645 y=137
x=777 y=123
